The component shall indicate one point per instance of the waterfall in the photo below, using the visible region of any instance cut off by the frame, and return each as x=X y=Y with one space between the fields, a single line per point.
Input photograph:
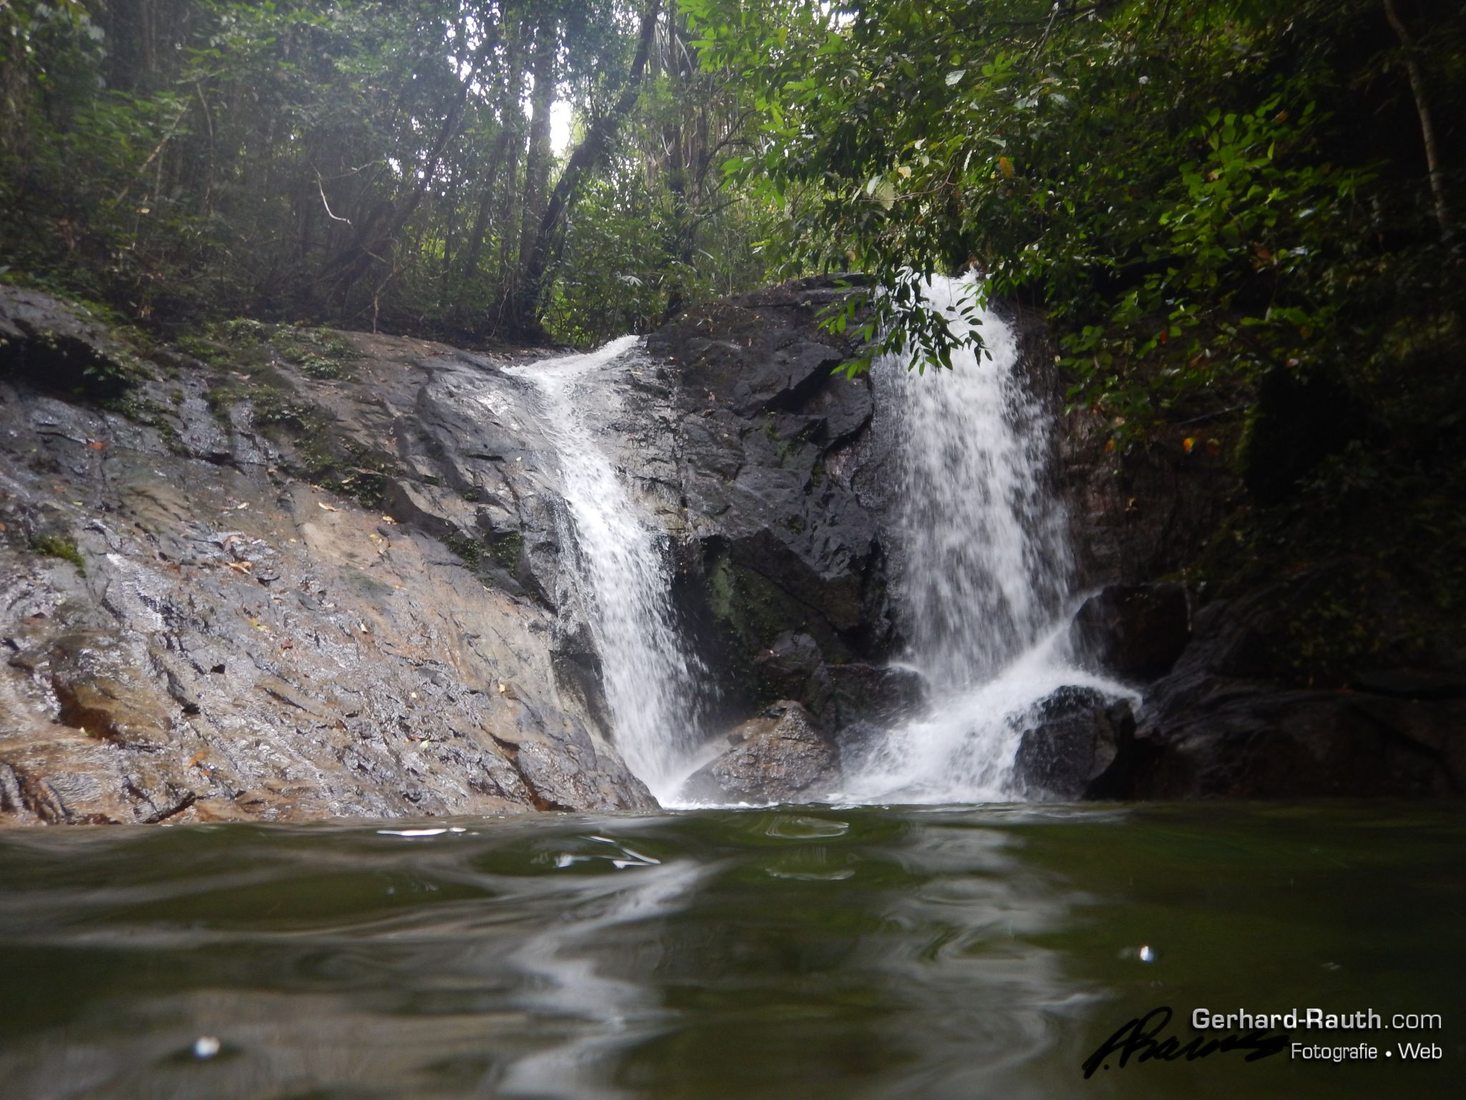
x=621 y=572
x=981 y=560
x=983 y=555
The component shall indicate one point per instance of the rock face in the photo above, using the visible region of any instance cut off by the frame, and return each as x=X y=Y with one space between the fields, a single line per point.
x=196 y=628
x=279 y=574
x=1134 y=632
x=285 y=575
x=1071 y=741
x=1269 y=693
x=779 y=756
x=1248 y=703
x=1230 y=721
x=782 y=486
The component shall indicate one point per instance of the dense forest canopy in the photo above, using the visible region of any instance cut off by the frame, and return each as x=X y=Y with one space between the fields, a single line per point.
x=369 y=163
x=1199 y=193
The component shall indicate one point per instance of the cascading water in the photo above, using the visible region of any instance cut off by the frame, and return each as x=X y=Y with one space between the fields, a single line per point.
x=982 y=566
x=981 y=562
x=649 y=681
x=983 y=556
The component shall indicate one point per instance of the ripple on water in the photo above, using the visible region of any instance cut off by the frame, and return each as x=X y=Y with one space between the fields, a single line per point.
x=770 y=953
x=796 y=827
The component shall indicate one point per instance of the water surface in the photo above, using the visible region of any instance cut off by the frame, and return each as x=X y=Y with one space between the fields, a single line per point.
x=866 y=952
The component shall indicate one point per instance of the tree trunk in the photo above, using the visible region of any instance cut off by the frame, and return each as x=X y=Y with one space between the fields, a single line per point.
x=377 y=235
x=1422 y=109
x=589 y=155
x=473 y=249
x=537 y=163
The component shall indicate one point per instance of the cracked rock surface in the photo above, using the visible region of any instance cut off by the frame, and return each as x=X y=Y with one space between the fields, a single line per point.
x=192 y=628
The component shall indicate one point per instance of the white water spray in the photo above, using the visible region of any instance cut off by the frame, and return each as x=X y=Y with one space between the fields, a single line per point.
x=622 y=575
x=982 y=566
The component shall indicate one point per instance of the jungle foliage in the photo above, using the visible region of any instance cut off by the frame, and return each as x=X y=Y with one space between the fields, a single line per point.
x=1196 y=191
x=1239 y=218
x=368 y=163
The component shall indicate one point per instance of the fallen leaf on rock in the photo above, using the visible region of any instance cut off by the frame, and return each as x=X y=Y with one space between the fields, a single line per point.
x=240 y=566
x=96 y=444
x=323 y=506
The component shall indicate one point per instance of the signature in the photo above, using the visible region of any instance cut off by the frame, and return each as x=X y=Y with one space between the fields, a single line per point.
x=1137 y=1039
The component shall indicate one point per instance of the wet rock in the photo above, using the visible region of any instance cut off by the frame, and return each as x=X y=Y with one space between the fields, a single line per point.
x=1134 y=632
x=1142 y=511
x=56 y=347
x=1232 y=720
x=103 y=691
x=1411 y=683
x=1071 y=739
x=791 y=666
x=771 y=443
x=218 y=636
x=1259 y=741
x=878 y=694
x=780 y=756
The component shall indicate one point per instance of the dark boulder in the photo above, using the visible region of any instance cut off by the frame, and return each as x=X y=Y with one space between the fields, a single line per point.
x=782 y=565
x=60 y=348
x=1295 y=423
x=1253 y=740
x=1144 y=511
x=794 y=667
x=882 y=694
x=1071 y=739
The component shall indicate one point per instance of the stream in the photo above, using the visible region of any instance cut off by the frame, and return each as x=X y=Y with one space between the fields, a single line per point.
x=843 y=952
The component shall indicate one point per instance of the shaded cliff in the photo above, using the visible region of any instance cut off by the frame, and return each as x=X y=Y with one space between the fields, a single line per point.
x=1291 y=637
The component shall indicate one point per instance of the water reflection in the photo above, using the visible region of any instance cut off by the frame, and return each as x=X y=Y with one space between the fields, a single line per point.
x=846 y=952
